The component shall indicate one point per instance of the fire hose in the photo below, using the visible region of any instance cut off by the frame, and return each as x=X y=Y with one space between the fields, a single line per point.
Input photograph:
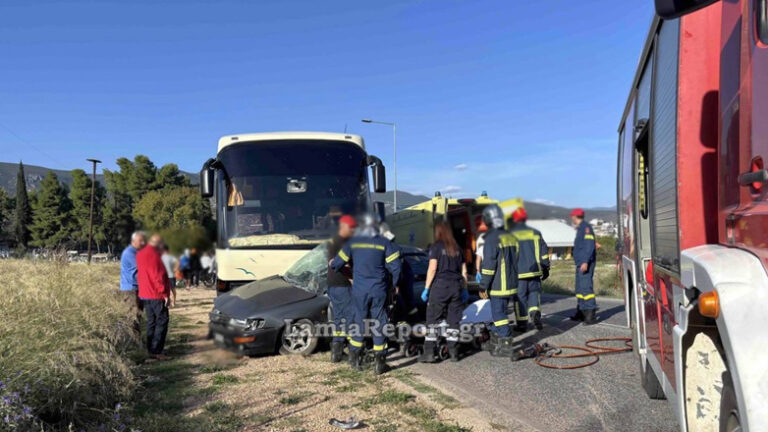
x=541 y=353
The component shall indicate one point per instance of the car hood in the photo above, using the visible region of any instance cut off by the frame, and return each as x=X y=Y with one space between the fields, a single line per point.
x=258 y=297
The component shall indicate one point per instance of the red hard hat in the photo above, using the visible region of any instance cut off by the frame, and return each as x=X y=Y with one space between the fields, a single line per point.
x=519 y=215
x=348 y=220
x=577 y=212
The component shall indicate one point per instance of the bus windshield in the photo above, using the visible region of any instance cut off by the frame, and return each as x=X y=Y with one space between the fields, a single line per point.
x=288 y=193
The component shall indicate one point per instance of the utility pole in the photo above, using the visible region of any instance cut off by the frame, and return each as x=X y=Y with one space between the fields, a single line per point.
x=93 y=192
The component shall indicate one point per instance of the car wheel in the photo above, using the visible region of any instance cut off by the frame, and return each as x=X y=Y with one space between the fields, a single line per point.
x=298 y=338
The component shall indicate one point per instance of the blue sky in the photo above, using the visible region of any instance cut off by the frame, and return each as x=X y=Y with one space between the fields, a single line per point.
x=519 y=98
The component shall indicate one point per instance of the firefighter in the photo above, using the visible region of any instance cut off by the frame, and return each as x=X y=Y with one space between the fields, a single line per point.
x=532 y=267
x=340 y=288
x=584 y=257
x=373 y=259
x=499 y=277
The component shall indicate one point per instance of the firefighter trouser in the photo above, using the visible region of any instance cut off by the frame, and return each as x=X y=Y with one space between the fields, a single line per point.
x=341 y=304
x=499 y=307
x=528 y=298
x=444 y=301
x=369 y=305
x=585 y=293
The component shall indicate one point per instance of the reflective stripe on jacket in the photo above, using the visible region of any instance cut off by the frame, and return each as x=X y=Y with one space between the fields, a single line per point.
x=584 y=245
x=533 y=253
x=371 y=258
x=499 y=268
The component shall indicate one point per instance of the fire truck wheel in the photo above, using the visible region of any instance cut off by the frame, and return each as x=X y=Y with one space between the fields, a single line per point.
x=729 y=410
x=704 y=383
x=651 y=383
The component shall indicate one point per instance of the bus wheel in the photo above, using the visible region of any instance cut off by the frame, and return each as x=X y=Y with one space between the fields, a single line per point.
x=704 y=371
x=729 y=410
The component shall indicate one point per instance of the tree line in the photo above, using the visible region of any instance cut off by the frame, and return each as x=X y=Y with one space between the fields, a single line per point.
x=138 y=195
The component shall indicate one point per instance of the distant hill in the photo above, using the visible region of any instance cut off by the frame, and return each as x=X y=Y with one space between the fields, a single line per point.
x=35 y=174
x=544 y=211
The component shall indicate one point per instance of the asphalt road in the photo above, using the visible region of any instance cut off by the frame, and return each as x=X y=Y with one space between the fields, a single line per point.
x=606 y=396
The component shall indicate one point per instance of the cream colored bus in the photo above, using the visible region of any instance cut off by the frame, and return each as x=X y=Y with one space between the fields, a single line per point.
x=279 y=194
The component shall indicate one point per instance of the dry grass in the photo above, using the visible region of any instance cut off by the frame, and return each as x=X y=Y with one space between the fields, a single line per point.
x=66 y=339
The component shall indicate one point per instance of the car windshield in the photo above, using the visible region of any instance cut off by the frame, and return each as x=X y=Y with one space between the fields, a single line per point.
x=310 y=272
x=288 y=193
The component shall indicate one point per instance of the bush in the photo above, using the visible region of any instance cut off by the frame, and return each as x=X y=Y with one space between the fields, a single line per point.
x=66 y=338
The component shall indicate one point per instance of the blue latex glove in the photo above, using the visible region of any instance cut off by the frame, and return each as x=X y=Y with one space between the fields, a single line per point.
x=425 y=294
x=478 y=277
x=464 y=296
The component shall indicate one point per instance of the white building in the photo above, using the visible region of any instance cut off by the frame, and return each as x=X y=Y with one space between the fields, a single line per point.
x=558 y=235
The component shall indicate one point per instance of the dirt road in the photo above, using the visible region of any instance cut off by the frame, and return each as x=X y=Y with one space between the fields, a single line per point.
x=206 y=389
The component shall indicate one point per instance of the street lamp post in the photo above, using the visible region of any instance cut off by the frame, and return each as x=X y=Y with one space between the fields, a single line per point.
x=93 y=191
x=394 y=151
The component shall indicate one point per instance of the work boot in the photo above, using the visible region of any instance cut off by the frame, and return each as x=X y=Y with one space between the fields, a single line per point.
x=428 y=355
x=589 y=317
x=381 y=364
x=520 y=327
x=354 y=359
x=504 y=348
x=537 y=320
x=337 y=351
x=453 y=352
x=578 y=316
x=490 y=344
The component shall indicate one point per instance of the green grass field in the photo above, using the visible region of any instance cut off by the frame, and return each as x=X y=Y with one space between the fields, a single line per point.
x=563 y=273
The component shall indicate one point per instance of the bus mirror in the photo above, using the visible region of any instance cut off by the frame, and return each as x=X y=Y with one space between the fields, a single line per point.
x=206 y=179
x=670 y=9
x=380 y=209
x=379 y=174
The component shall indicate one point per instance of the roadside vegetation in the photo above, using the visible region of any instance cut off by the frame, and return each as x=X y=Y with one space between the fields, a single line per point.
x=67 y=346
x=606 y=280
x=69 y=361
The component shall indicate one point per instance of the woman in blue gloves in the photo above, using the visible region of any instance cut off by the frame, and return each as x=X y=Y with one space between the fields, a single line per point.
x=445 y=292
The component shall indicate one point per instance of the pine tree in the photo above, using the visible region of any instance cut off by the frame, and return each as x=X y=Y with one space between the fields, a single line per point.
x=23 y=214
x=80 y=196
x=117 y=223
x=4 y=215
x=51 y=216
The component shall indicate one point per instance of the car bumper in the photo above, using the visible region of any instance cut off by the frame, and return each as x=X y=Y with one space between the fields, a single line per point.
x=261 y=341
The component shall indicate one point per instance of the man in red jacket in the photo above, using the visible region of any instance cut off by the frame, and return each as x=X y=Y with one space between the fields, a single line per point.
x=154 y=292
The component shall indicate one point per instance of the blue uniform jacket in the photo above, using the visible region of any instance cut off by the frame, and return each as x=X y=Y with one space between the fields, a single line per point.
x=584 y=245
x=371 y=258
x=499 y=268
x=533 y=253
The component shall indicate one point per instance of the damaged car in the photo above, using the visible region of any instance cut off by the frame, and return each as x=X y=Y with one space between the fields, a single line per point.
x=279 y=313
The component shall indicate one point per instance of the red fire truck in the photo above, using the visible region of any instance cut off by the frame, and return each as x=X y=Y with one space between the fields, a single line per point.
x=693 y=212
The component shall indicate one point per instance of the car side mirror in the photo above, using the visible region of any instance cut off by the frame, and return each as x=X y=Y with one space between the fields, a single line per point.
x=671 y=9
x=379 y=174
x=207 y=175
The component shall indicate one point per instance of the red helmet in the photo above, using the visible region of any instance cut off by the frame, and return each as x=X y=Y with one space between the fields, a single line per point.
x=578 y=212
x=348 y=220
x=481 y=226
x=519 y=215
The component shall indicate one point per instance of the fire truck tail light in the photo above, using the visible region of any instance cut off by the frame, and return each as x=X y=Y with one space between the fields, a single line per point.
x=709 y=304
